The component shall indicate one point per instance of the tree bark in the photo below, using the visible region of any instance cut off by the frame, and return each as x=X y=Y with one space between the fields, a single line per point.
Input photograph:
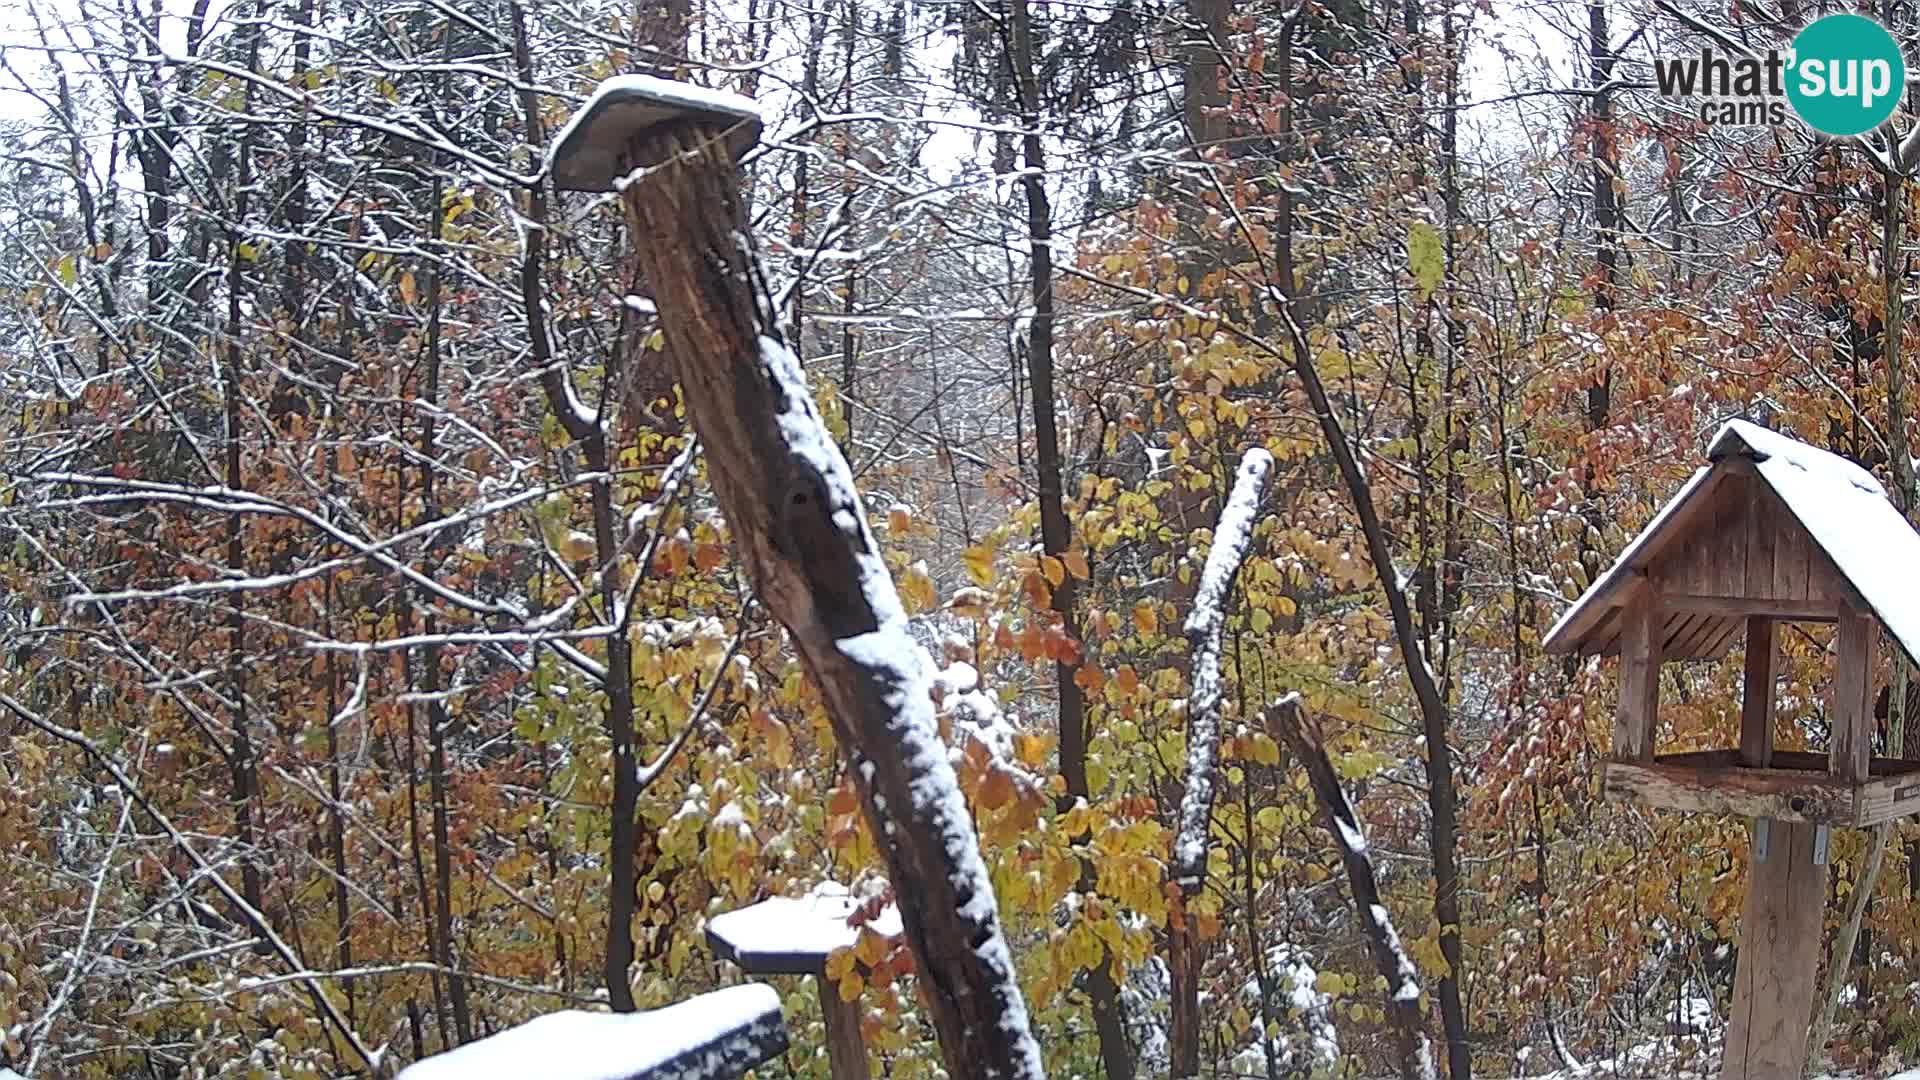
x=1056 y=531
x=1187 y=869
x=623 y=872
x=1301 y=731
x=802 y=534
x=1442 y=799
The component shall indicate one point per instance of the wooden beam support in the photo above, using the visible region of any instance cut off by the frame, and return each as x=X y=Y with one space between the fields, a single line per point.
x=1640 y=653
x=1851 y=713
x=846 y=1053
x=1746 y=606
x=1756 y=701
x=1728 y=789
x=802 y=535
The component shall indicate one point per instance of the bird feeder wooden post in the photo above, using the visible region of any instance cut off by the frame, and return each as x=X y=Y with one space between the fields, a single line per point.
x=1771 y=531
x=794 y=936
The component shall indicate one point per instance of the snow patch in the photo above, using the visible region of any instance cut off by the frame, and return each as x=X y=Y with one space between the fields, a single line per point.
x=682 y=1040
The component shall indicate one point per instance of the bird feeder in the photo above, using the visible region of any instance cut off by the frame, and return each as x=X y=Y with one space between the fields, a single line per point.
x=1770 y=531
x=601 y=145
x=794 y=936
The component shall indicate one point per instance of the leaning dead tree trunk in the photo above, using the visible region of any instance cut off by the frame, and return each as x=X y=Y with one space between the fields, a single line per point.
x=1188 y=868
x=802 y=534
x=1288 y=720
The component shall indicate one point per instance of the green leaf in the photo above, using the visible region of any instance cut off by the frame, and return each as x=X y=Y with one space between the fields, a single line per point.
x=1424 y=257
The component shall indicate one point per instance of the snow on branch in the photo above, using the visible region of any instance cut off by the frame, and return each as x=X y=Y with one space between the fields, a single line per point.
x=1231 y=538
x=1289 y=721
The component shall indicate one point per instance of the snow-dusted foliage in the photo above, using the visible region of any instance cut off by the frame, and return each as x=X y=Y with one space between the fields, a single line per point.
x=1306 y=1044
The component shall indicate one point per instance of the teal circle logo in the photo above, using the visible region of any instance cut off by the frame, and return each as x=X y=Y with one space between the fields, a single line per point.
x=1846 y=75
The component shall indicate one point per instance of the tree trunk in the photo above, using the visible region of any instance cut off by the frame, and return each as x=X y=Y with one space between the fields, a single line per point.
x=803 y=537
x=623 y=872
x=1442 y=800
x=1192 y=835
x=1301 y=732
x=1056 y=532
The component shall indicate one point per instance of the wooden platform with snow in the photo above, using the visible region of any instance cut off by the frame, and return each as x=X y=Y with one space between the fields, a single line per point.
x=716 y=1036
x=1772 y=531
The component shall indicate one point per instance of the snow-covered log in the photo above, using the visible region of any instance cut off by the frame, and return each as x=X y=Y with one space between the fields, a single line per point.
x=803 y=538
x=1231 y=538
x=716 y=1036
x=1289 y=720
x=1188 y=868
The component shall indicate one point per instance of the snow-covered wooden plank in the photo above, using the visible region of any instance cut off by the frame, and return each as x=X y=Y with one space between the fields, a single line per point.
x=591 y=152
x=787 y=935
x=716 y=1036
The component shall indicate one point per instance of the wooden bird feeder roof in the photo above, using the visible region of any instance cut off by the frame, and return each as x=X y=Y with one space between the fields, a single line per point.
x=591 y=152
x=1770 y=527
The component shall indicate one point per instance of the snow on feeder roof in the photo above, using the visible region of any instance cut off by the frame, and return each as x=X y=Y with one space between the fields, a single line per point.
x=590 y=153
x=716 y=1036
x=1772 y=526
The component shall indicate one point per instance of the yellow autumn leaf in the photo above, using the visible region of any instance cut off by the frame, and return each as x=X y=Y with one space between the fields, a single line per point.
x=1076 y=562
x=409 y=291
x=1145 y=619
x=1055 y=570
x=979 y=563
x=839 y=962
x=916 y=587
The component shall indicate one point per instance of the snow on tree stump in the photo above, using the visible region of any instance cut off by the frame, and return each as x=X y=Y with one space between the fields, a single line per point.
x=672 y=151
x=1771 y=531
x=794 y=936
x=716 y=1036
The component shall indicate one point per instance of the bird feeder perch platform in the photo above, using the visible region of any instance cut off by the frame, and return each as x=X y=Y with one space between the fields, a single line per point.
x=794 y=936
x=594 y=152
x=716 y=1036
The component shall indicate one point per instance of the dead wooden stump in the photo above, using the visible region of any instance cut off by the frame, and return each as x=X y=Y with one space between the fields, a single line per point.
x=803 y=537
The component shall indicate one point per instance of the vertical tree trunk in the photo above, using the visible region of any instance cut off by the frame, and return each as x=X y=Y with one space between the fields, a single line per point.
x=243 y=761
x=1192 y=840
x=1442 y=800
x=438 y=721
x=1056 y=532
x=591 y=432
